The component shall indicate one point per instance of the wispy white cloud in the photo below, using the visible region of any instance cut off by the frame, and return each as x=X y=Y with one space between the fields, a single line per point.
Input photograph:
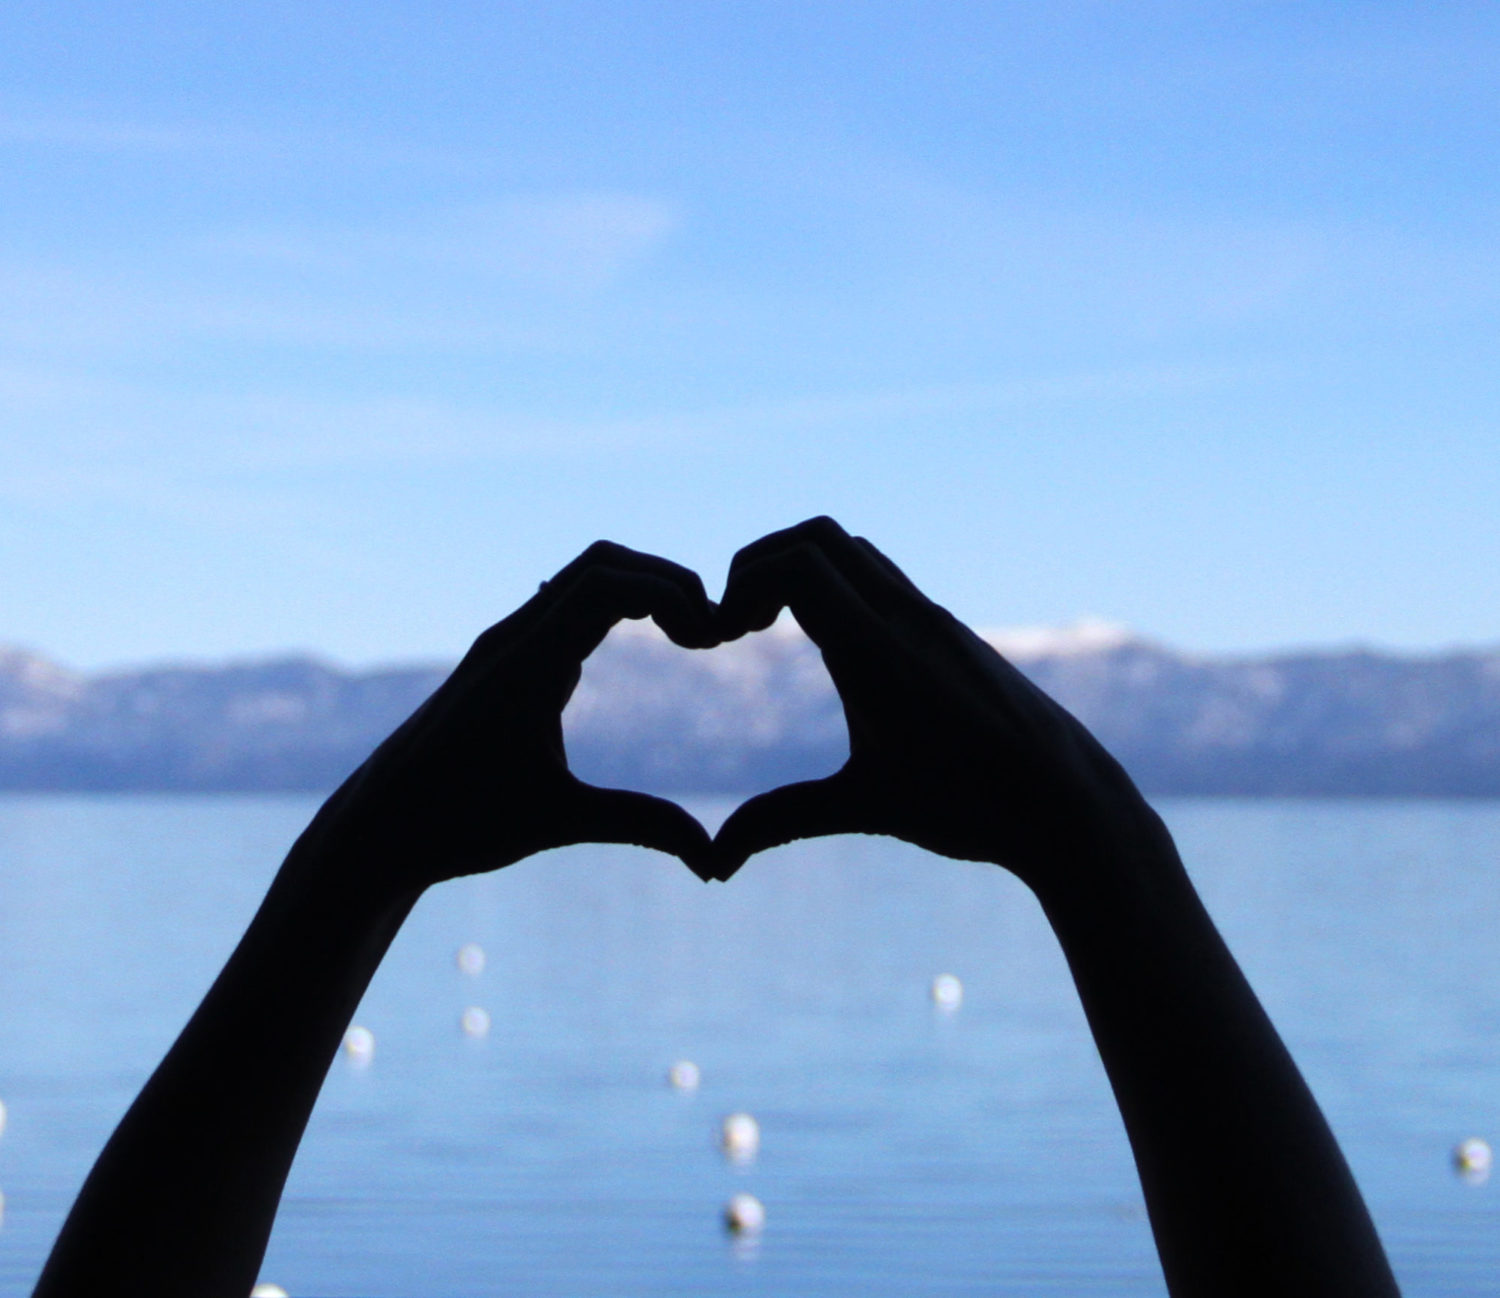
x=81 y=315
x=73 y=437
x=114 y=135
x=572 y=242
x=128 y=137
x=509 y=275
x=87 y=439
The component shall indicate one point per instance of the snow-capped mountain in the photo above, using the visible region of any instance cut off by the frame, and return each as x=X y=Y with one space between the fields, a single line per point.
x=762 y=711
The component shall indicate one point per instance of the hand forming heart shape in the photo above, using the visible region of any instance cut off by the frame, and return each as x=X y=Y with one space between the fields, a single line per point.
x=950 y=747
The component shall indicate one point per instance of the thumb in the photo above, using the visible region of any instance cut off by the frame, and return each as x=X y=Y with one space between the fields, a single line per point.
x=809 y=809
x=622 y=816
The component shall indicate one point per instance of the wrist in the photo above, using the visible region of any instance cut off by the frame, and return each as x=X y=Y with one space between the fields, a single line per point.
x=1125 y=873
x=335 y=864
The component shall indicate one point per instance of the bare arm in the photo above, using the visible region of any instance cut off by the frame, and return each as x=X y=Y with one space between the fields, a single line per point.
x=182 y=1199
x=954 y=750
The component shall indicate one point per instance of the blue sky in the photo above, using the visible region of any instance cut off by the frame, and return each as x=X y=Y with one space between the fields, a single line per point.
x=340 y=326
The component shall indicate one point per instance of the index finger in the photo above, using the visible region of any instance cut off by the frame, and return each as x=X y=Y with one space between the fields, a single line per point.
x=802 y=578
x=602 y=594
x=680 y=605
x=873 y=577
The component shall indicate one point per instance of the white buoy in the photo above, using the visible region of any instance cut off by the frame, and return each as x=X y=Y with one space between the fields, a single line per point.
x=739 y=1137
x=2 y=1117
x=264 y=1290
x=947 y=992
x=745 y=1215
x=470 y=959
x=1473 y=1159
x=684 y=1075
x=475 y=1022
x=359 y=1045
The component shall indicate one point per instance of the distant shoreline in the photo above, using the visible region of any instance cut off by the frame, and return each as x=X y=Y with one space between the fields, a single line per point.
x=1333 y=724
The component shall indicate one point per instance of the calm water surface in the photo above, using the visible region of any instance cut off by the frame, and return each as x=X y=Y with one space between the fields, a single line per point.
x=904 y=1150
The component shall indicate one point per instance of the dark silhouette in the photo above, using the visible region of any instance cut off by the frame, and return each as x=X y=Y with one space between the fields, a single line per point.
x=950 y=748
x=954 y=750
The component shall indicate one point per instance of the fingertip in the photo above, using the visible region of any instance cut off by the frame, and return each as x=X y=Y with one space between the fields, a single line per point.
x=738 y=616
x=729 y=867
x=718 y=865
x=702 y=862
x=692 y=627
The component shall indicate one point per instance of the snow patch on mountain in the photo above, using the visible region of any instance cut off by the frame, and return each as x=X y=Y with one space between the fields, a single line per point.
x=1086 y=636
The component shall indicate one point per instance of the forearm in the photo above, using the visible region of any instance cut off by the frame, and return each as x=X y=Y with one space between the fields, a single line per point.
x=1247 y=1190
x=182 y=1199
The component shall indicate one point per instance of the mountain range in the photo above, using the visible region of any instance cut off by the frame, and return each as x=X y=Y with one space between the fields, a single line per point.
x=762 y=711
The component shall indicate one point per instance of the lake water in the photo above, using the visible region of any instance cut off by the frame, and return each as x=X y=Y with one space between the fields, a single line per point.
x=904 y=1150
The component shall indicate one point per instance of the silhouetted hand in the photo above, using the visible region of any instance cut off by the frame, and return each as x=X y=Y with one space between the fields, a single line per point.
x=950 y=747
x=953 y=749
x=181 y=1200
x=477 y=777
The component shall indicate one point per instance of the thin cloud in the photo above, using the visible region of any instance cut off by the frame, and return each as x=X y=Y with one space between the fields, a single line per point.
x=571 y=242
x=504 y=275
x=105 y=136
x=128 y=137
x=79 y=313
x=101 y=435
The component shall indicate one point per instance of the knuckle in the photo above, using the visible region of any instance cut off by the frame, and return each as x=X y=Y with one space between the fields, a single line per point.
x=690 y=581
x=745 y=555
x=822 y=528
x=490 y=639
x=601 y=551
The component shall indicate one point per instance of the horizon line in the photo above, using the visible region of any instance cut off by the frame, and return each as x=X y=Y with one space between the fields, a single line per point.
x=1079 y=637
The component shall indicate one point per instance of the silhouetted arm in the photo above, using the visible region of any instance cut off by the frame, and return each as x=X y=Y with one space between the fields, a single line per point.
x=181 y=1201
x=954 y=750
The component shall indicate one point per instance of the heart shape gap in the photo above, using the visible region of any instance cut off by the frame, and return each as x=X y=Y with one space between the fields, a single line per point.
x=736 y=720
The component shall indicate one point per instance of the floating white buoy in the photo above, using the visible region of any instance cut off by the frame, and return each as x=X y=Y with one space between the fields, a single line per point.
x=947 y=992
x=745 y=1215
x=471 y=959
x=739 y=1136
x=2 y=1117
x=359 y=1045
x=684 y=1075
x=264 y=1290
x=1473 y=1160
x=475 y=1022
